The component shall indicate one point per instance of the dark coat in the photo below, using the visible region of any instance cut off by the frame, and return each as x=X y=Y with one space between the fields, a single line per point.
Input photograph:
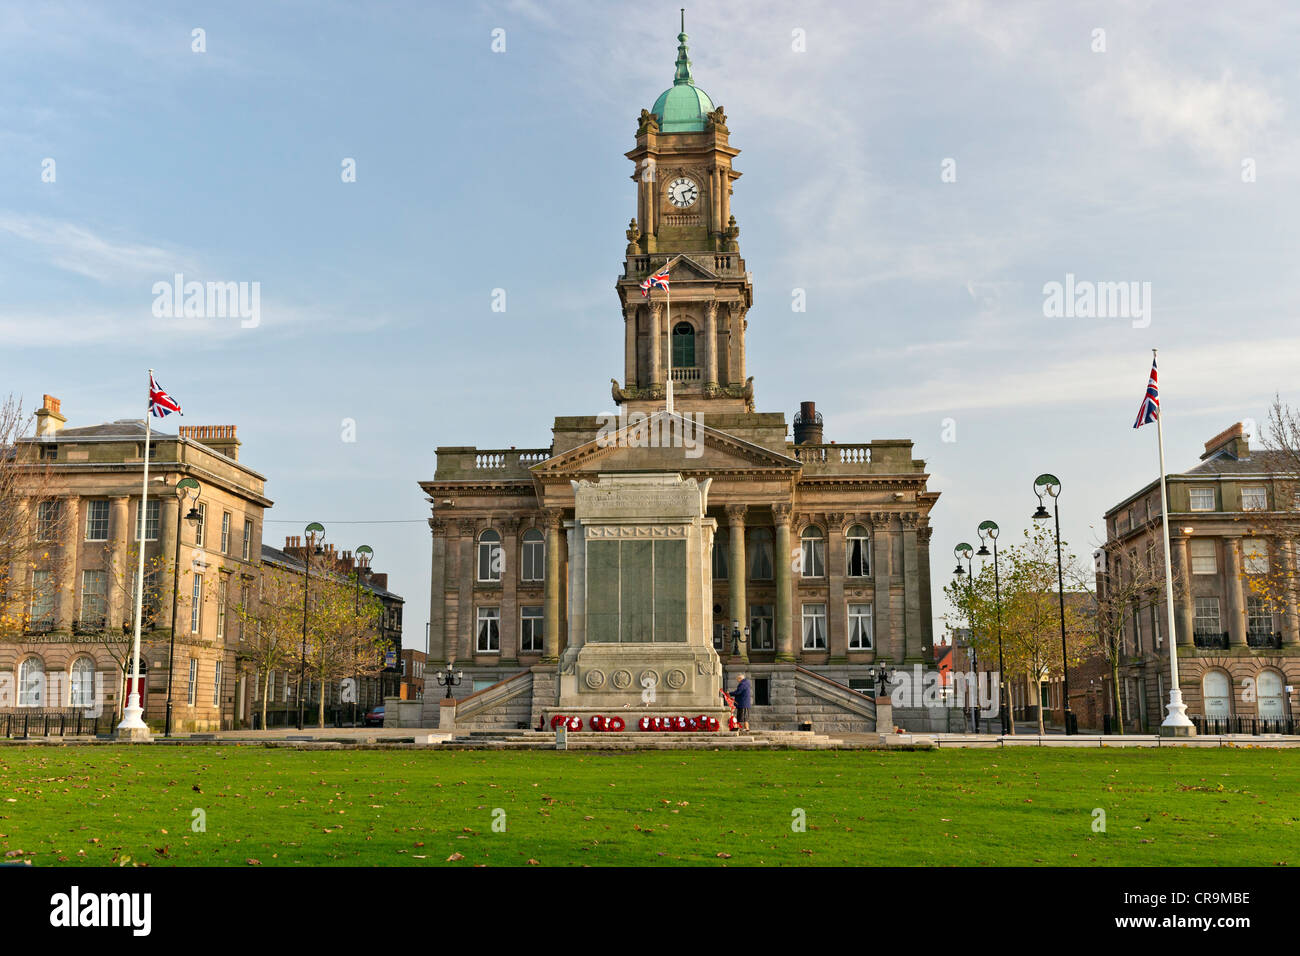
x=743 y=693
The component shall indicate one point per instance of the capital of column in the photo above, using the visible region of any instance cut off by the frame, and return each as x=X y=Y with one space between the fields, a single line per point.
x=781 y=512
x=552 y=518
x=880 y=520
x=736 y=514
x=467 y=526
x=439 y=526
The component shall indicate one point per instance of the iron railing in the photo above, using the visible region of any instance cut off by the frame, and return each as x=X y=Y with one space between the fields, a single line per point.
x=1241 y=724
x=24 y=722
x=1211 y=641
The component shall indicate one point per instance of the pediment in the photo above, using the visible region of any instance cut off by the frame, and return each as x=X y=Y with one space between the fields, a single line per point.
x=664 y=442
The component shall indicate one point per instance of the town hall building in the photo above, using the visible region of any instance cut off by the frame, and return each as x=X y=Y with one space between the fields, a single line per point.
x=691 y=537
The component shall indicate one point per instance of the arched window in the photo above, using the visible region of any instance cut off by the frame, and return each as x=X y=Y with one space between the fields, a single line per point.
x=81 y=683
x=859 y=552
x=31 y=683
x=1216 y=690
x=1269 y=686
x=721 y=542
x=760 y=554
x=683 y=345
x=491 y=558
x=533 y=560
x=814 y=552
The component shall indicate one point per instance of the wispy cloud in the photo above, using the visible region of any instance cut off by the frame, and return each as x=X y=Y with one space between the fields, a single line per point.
x=77 y=248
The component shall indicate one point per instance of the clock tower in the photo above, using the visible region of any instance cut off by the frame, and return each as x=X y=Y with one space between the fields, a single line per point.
x=695 y=333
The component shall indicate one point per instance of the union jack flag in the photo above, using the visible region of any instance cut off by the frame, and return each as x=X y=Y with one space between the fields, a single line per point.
x=160 y=403
x=1150 y=409
x=659 y=279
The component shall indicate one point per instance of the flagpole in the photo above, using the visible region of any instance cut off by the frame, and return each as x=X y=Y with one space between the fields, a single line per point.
x=133 y=726
x=1176 y=724
x=668 y=388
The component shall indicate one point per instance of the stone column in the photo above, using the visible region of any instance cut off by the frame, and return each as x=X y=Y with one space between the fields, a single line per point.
x=629 y=346
x=883 y=633
x=465 y=600
x=1232 y=585
x=168 y=519
x=1290 y=621
x=509 y=622
x=738 y=316
x=65 y=602
x=837 y=624
x=911 y=588
x=437 y=649
x=736 y=574
x=1184 y=605
x=551 y=619
x=711 y=345
x=656 y=351
x=923 y=565
x=785 y=644
x=121 y=581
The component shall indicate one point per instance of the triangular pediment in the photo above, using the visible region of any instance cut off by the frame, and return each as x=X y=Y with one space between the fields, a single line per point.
x=664 y=442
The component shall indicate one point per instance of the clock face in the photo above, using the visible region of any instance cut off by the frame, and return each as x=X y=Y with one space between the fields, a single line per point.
x=683 y=192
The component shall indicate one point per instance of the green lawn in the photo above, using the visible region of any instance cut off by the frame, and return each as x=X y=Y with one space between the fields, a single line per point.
x=109 y=805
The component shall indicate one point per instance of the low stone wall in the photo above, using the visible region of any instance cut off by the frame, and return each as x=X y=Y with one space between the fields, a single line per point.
x=800 y=696
x=503 y=706
x=932 y=720
x=403 y=713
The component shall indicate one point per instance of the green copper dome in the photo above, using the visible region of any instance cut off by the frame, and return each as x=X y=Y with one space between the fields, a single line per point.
x=683 y=107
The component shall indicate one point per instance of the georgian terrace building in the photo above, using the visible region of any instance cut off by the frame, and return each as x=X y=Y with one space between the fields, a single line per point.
x=1238 y=652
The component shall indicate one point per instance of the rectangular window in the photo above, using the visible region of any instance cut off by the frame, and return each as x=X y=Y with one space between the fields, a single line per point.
x=761 y=629
x=1254 y=555
x=1155 y=624
x=97 y=520
x=859 y=627
x=721 y=541
x=94 y=597
x=1259 y=616
x=533 y=560
x=193 y=690
x=1201 y=499
x=270 y=687
x=859 y=555
x=201 y=525
x=1137 y=632
x=1207 y=616
x=151 y=512
x=814 y=555
x=489 y=630
x=248 y=539
x=1254 y=498
x=814 y=627
x=225 y=532
x=490 y=557
x=42 y=605
x=196 y=604
x=216 y=686
x=221 y=608
x=48 y=515
x=1204 y=558
x=760 y=554
x=530 y=630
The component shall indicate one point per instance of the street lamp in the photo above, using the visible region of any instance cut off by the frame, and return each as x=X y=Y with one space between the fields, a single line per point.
x=311 y=531
x=448 y=679
x=1051 y=485
x=737 y=638
x=881 y=676
x=964 y=552
x=988 y=531
x=182 y=491
x=363 y=554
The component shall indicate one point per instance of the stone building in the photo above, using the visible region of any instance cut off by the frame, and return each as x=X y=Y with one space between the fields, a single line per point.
x=1231 y=525
x=802 y=562
x=76 y=634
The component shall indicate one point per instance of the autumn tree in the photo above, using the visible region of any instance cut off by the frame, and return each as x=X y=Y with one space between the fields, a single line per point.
x=344 y=639
x=270 y=630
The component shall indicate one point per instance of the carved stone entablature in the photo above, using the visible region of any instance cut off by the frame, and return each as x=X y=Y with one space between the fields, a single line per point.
x=635 y=531
x=881 y=520
x=467 y=526
x=508 y=525
x=836 y=520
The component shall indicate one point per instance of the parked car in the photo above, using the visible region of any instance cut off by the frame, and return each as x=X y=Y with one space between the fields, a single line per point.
x=375 y=718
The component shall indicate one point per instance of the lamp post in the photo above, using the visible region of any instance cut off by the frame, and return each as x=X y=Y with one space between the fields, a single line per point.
x=448 y=679
x=311 y=531
x=363 y=554
x=881 y=675
x=1050 y=485
x=737 y=638
x=964 y=552
x=988 y=531
x=182 y=490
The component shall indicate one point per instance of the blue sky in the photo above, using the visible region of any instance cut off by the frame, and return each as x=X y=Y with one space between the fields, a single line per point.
x=479 y=170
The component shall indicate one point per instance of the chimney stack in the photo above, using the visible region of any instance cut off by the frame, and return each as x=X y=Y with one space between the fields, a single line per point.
x=49 y=420
x=220 y=438
x=1232 y=441
x=808 y=425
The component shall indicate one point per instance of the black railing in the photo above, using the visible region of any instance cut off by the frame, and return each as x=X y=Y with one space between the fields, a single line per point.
x=1213 y=641
x=89 y=626
x=38 y=627
x=1263 y=639
x=1240 y=724
x=25 y=722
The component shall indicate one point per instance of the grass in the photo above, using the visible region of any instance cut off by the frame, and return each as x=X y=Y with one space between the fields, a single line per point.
x=105 y=806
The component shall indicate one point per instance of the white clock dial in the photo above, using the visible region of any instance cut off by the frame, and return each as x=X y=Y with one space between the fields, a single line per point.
x=683 y=192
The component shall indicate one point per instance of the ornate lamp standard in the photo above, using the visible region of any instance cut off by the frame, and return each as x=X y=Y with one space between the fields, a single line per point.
x=448 y=679
x=964 y=552
x=1051 y=485
x=311 y=531
x=182 y=491
x=738 y=638
x=363 y=554
x=988 y=531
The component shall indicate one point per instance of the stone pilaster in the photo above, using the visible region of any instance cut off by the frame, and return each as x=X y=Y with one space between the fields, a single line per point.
x=656 y=344
x=1232 y=585
x=911 y=587
x=837 y=625
x=168 y=519
x=1184 y=606
x=711 y=346
x=438 y=650
x=65 y=604
x=1290 y=620
x=466 y=615
x=121 y=580
x=736 y=574
x=923 y=534
x=551 y=616
x=883 y=634
x=509 y=623
x=785 y=638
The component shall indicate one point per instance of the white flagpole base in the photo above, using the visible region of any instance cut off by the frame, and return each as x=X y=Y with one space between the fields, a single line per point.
x=1177 y=724
x=133 y=727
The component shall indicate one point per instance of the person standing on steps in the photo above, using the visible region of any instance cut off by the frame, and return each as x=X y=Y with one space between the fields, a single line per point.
x=743 y=695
